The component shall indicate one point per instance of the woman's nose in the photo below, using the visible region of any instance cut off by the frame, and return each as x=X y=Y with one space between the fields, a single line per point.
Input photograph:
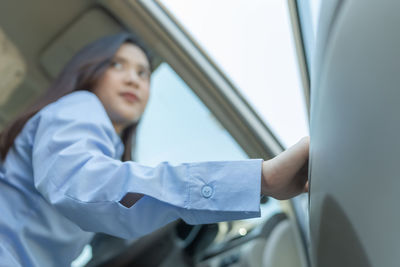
x=132 y=77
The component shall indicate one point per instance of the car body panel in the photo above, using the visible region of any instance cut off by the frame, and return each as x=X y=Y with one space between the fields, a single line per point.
x=355 y=127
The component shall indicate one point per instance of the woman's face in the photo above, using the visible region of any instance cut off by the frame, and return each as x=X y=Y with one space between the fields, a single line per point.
x=124 y=87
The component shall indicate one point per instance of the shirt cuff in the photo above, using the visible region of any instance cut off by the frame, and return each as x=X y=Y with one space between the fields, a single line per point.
x=232 y=187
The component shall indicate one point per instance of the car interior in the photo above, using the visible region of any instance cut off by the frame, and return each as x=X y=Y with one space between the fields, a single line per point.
x=37 y=38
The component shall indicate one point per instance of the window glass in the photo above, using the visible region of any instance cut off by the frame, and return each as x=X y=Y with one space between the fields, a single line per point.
x=315 y=6
x=252 y=42
x=177 y=127
x=309 y=15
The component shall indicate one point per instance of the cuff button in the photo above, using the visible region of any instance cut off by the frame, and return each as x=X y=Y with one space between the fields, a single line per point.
x=207 y=191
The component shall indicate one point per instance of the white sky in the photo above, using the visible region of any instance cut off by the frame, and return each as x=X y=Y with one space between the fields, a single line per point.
x=252 y=42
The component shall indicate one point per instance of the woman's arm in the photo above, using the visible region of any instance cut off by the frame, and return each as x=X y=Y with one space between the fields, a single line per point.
x=76 y=171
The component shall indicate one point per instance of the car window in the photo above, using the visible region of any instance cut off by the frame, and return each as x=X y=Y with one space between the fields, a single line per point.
x=177 y=127
x=309 y=14
x=253 y=44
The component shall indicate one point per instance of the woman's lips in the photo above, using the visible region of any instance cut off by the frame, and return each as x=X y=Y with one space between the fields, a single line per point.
x=130 y=97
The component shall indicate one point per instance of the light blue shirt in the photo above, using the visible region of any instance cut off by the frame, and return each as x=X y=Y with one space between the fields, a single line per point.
x=63 y=180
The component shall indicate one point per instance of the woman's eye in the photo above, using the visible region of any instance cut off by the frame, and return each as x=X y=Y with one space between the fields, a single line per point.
x=143 y=74
x=117 y=65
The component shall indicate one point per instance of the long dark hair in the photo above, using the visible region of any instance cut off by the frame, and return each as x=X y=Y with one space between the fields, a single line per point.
x=81 y=73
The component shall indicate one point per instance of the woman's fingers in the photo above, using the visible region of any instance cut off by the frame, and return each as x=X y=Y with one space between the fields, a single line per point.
x=287 y=174
x=306 y=187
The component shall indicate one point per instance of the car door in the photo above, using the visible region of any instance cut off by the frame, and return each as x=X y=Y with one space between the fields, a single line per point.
x=352 y=56
x=354 y=132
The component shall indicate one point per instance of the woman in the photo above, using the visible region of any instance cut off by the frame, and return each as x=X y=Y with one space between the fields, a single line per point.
x=66 y=171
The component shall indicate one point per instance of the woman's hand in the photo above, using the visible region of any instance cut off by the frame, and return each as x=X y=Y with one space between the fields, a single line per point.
x=286 y=175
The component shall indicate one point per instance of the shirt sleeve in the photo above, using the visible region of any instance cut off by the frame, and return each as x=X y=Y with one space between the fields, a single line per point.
x=75 y=169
